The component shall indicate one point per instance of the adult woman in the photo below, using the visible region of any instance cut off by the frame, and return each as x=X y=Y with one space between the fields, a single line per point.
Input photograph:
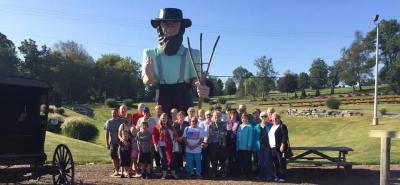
x=163 y=137
x=262 y=147
x=124 y=151
x=205 y=162
x=278 y=137
x=180 y=126
x=231 y=127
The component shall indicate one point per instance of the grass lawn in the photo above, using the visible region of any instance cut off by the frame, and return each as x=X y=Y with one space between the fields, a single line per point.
x=338 y=131
x=82 y=152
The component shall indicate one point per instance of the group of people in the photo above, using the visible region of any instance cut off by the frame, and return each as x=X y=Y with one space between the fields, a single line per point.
x=215 y=143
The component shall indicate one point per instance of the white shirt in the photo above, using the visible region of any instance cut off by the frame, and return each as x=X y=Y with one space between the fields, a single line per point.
x=271 y=136
x=193 y=136
x=152 y=123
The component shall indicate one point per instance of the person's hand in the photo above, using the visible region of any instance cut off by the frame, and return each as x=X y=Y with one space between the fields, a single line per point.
x=125 y=143
x=202 y=90
x=281 y=148
x=156 y=147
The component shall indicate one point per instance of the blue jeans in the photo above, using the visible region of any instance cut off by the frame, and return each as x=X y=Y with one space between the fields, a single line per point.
x=190 y=158
x=265 y=163
x=164 y=161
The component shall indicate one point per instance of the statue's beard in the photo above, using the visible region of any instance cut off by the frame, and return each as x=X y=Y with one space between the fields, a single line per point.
x=170 y=44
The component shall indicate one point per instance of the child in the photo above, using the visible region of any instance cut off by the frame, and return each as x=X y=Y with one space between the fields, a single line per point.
x=144 y=145
x=124 y=154
x=134 y=151
x=194 y=137
x=244 y=145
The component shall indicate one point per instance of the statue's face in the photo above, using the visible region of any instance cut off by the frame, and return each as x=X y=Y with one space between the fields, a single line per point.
x=170 y=28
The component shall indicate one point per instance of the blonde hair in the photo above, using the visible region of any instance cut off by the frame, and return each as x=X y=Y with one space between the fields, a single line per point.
x=275 y=115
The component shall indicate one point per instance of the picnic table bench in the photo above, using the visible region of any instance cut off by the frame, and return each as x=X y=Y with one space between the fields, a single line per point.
x=318 y=156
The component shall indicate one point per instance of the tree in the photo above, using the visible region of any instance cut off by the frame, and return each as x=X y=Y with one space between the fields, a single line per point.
x=354 y=63
x=76 y=80
x=389 y=51
x=393 y=77
x=239 y=74
x=250 y=87
x=35 y=63
x=266 y=73
x=8 y=56
x=333 y=76
x=288 y=83
x=389 y=44
x=303 y=81
x=118 y=77
x=318 y=74
x=219 y=87
x=230 y=87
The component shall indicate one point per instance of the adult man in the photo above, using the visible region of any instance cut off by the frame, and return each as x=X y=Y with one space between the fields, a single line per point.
x=123 y=111
x=112 y=141
x=168 y=66
x=138 y=114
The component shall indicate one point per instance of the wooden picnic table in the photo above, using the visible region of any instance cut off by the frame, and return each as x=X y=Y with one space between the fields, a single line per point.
x=318 y=156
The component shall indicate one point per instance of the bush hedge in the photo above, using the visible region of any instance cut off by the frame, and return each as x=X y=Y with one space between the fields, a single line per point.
x=333 y=103
x=79 y=129
x=128 y=102
x=110 y=102
x=383 y=111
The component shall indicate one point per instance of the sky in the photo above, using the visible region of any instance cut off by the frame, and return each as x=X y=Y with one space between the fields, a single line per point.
x=293 y=33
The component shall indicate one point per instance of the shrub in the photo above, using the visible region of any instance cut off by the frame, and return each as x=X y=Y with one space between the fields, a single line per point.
x=110 y=102
x=54 y=123
x=383 y=111
x=333 y=103
x=60 y=111
x=128 y=102
x=79 y=129
x=221 y=100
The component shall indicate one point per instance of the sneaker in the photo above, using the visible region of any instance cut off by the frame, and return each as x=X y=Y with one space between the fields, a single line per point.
x=144 y=176
x=137 y=175
x=281 y=180
x=115 y=174
x=163 y=177
x=276 y=179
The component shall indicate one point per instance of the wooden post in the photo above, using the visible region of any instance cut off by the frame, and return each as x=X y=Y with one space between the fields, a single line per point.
x=385 y=161
x=385 y=152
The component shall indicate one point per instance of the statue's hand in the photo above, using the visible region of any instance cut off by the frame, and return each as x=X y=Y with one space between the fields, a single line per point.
x=202 y=90
x=148 y=70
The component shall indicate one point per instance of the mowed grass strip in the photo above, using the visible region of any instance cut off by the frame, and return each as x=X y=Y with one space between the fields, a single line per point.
x=82 y=152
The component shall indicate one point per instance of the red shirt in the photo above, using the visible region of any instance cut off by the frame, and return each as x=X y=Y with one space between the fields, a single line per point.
x=135 y=117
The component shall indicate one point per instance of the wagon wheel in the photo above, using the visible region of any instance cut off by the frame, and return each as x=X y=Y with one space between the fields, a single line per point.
x=64 y=165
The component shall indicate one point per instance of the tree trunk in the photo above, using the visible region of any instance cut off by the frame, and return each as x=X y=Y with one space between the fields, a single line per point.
x=332 y=89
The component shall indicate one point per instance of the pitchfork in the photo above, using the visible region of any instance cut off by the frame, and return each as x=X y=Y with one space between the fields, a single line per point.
x=201 y=78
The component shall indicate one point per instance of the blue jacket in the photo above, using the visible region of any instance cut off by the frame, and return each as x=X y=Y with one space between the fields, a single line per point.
x=245 y=136
x=257 y=133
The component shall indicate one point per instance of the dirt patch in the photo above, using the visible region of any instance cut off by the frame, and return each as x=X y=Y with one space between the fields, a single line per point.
x=360 y=175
